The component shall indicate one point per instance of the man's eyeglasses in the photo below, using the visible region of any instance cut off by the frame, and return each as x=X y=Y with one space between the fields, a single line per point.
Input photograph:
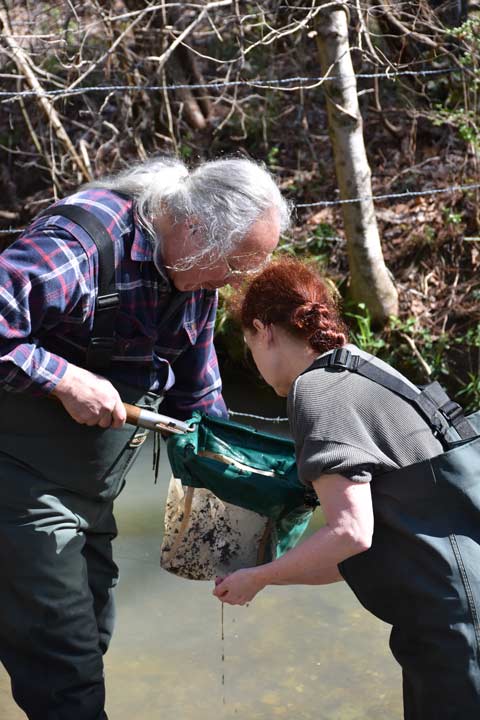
x=238 y=272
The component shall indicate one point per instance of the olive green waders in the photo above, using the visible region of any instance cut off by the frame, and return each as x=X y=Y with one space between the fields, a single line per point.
x=422 y=572
x=58 y=480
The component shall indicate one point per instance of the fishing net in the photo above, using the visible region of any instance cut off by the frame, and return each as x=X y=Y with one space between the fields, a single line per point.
x=234 y=501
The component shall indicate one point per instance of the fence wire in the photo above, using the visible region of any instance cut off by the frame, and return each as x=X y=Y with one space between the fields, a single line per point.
x=274 y=83
x=323 y=203
x=258 y=417
x=266 y=83
x=390 y=196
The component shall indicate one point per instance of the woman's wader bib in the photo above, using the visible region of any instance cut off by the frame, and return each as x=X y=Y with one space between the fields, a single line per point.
x=422 y=574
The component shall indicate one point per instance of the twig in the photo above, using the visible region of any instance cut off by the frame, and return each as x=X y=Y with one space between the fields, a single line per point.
x=394 y=129
x=295 y=27
x=421 y=37
x=168 y=107
x=411 y=343
x=366 y=34
x=451 y=300
x=413 y=169
x=36 y=141
x=162 y=59
x=107 y=53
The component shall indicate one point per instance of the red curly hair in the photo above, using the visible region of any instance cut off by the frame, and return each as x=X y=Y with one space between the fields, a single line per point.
x=290 y=293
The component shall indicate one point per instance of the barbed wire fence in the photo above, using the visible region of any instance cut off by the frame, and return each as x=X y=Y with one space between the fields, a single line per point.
x=306 y=83
x=216 y=18
x=330 y=203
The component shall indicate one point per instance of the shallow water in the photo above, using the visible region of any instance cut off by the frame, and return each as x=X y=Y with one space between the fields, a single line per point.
x=300 y=653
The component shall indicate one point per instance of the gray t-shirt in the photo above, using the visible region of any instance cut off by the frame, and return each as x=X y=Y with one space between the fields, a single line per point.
x=344 y=423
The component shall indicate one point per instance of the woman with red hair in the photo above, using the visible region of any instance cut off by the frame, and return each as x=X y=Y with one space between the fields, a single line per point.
x=362 y=431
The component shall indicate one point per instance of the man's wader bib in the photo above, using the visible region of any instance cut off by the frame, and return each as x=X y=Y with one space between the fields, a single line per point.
x=422 y=572
x=90 y=461
x=40 y=433
x=58 y=480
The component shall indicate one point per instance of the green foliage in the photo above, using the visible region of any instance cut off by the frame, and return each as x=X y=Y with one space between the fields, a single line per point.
x=470 y=395
x=432 y=348
x=455 y=218
x=468 y=32
x=228 y=334
x=404 y=341
x=361 y=331
x=185 y=151
x=272 y=157
x=465 y=122
x=460 y=109
x=317 y=247
x=427 y=238
x=405 y=344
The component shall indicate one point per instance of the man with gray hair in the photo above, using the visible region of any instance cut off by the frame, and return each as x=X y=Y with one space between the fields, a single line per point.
x=109 y=296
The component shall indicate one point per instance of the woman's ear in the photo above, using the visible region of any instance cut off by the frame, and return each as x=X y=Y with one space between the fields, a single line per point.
x=264 y=331
x=258 y=325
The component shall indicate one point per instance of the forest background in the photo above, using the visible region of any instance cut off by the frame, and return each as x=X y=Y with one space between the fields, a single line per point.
x=90 y=87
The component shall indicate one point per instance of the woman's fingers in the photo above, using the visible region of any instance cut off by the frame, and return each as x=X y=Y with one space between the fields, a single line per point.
x=238 y=588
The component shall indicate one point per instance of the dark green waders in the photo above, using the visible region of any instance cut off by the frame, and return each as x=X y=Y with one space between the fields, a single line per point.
x=58 y=480
x=422 y=572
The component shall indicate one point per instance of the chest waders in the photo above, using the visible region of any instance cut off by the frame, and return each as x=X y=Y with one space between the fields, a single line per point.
x=422 y=572
x=58 y=480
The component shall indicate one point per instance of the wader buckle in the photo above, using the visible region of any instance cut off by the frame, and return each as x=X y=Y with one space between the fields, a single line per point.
x=343 y=358
x=451 y=410
x=108 y=302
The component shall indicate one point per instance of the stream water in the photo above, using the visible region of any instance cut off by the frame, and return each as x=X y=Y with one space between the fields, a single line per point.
x=299 y=653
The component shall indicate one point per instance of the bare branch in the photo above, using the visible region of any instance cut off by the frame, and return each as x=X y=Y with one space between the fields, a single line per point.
x=20 y=58
x=162 y=59
x=107 y=53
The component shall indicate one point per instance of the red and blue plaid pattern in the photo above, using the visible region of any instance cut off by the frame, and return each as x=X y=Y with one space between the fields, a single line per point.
x=47 y=297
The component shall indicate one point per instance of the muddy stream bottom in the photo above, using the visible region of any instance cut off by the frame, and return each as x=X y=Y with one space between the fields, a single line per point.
x=299 y=653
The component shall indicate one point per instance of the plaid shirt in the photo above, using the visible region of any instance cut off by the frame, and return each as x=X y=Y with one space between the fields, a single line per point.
x=48 y=288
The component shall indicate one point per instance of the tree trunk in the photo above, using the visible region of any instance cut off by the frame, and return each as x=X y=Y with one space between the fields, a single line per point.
x=370 y=281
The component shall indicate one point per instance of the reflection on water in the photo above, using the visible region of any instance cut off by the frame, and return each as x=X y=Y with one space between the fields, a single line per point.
x=300 y=653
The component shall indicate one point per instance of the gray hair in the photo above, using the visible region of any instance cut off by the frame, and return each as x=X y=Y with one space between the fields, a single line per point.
x=223 y=197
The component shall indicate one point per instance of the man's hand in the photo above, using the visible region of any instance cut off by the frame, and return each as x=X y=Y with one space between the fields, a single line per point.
x=90 y=399
x=238 y=588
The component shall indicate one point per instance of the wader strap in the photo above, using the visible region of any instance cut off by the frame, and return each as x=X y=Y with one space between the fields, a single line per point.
x=432 y=401
x=100 y=349
x=178 y=299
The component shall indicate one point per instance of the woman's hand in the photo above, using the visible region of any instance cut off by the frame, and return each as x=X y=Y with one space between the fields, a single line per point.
x=90 y=399
x=238 y=588
x=347 y=507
